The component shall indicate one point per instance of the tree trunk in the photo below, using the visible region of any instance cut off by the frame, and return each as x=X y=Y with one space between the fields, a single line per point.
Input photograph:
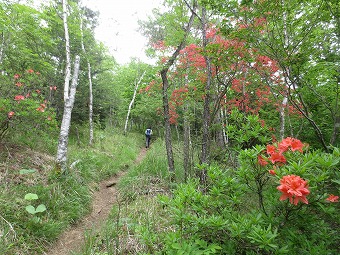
x=132 y=101
x=90 y=84
x=66 y=121
x=2 y=46
x=165 y=87
x=186 y=146
x=206 y=108
x=283 y=117
x=68 y=54
x=336 y=126
x=168 y=140
x=69 y=96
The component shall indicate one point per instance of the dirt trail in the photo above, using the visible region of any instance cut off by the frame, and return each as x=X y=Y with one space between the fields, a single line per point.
x=103 y=200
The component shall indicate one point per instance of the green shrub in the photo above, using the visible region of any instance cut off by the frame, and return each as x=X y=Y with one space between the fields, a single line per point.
x=243 y=211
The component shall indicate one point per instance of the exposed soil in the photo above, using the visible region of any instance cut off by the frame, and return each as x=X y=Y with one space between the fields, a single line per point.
x=103 y=200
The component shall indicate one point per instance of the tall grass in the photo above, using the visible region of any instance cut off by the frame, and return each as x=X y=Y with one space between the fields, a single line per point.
x=138 y=220
x=67 y=197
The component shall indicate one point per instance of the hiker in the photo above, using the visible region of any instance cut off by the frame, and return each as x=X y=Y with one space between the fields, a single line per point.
x=148 y=133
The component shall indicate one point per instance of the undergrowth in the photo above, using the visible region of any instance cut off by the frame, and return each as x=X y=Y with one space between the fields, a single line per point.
x=67 y=197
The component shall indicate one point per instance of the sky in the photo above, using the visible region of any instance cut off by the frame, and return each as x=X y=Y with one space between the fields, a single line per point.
x=118 y=26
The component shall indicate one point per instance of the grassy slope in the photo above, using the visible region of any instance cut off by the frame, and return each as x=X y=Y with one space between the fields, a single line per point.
x=138 y=221
x=66 y=197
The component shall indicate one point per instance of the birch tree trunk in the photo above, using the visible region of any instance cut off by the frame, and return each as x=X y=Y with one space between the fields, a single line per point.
x=2 y=46
x=132 y=101
x=69 y=97
x=66 y=121
x=90 y=84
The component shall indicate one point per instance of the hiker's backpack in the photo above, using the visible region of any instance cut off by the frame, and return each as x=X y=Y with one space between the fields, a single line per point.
x=148 y=132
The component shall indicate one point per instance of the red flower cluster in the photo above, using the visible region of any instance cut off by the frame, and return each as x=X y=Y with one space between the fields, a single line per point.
x=10 y=114
x=18 y=98
x=332 y=198
x=276 y=152
x=294 y=188
x=41 y=108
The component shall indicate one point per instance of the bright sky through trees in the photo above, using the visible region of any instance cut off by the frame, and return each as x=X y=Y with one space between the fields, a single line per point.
x=118 y=26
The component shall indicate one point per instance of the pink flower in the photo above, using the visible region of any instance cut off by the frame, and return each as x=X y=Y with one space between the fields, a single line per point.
x=18 y=84
x=30 y=71
x=261 y=160
x=292 y=143
x=271 y=149
x=16 y=76
x=18 y=98
x=272 y=172
x=10 y=114
x=332 y=198
x=277 y=157
x=294 y=188
x=296 y=145
x=40 y=109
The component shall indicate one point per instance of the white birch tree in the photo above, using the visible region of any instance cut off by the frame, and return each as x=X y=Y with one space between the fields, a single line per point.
x=132 y=101
x=69 y=97
x=90 y=83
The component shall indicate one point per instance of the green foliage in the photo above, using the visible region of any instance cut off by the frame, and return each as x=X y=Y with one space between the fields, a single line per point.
x=53 y=201
x=246 y=131
x=241 y=211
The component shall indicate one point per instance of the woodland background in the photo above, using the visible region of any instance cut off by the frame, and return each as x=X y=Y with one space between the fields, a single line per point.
x=231 y=78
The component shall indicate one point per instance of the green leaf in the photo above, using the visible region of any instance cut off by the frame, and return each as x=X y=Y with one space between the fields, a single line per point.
x=40 y=208
x=31 y=196
x=27 y=171
x=30 y=209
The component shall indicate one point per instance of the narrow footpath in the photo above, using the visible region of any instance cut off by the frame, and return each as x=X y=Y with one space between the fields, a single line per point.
x=103 y=199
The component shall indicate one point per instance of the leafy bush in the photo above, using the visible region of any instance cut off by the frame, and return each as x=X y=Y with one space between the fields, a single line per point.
x=26 y=108
x=278 y=201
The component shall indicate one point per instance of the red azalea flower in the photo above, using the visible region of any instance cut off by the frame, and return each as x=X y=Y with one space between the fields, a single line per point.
x=10 y=114
x=272 y=172
x=261 y=160
x=294 y=188
x=30 y=71
x=285 y=144
x=332 y=198
x=271 y=149
x=18 y=84
x=296 y=145
x=277 y=157
x=18 y=98
x=41 y=109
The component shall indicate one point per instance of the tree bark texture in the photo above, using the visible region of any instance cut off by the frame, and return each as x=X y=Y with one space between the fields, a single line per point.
x=186 y=147
x=132 y=101
x=66 y=121
x=68 y=53
x=89 y=75
x=206 y=108
x=69 y=97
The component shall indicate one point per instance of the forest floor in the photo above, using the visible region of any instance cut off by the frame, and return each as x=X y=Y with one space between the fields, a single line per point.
x=103 y=200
